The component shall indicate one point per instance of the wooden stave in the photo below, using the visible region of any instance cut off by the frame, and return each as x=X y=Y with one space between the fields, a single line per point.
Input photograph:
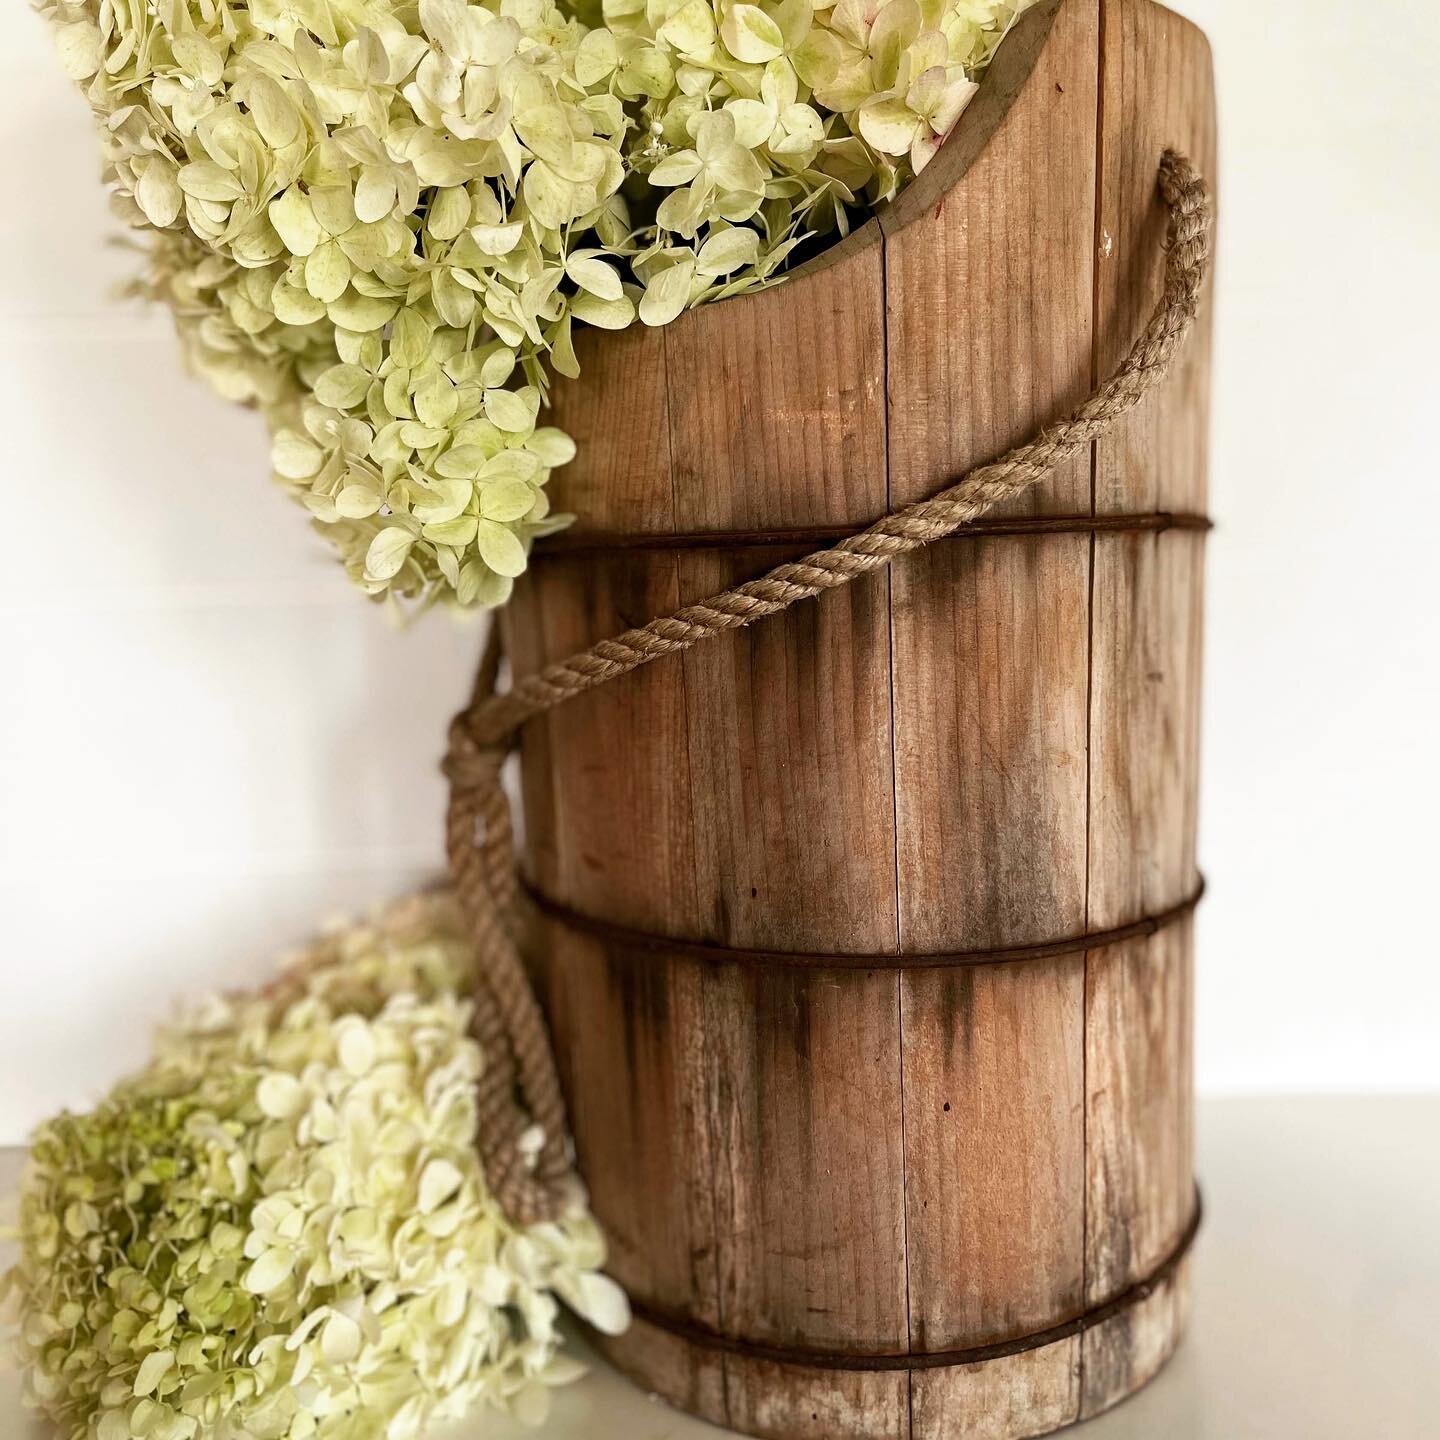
x=1082 y=1374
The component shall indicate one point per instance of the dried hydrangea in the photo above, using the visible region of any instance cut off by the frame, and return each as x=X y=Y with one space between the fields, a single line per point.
x=381 y=221
x=279 y=1229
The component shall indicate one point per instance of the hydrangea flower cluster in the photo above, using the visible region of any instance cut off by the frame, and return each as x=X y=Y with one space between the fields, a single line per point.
x=279 y=1229
x=381 y=220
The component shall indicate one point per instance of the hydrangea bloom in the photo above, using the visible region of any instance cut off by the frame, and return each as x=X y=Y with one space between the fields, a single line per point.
x=382 y=221
x=279 y=1228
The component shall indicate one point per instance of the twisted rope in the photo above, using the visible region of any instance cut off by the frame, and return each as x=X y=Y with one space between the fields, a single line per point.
x=522 y=1112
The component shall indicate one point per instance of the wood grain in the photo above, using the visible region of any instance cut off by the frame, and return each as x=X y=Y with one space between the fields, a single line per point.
x=789 y=741
x=641 y=1027
x=1127 y=1351
x=994 y=744
x=618 y=415
x=730 y=821
x=777 y=406
x=1156 y=90
x=990 y=692
x=1006 y=1399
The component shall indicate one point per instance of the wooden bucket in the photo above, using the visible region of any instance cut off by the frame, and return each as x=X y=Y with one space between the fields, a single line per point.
x=866 y=931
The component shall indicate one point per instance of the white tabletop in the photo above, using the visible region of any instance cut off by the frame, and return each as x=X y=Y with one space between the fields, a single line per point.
x=1317 y=1293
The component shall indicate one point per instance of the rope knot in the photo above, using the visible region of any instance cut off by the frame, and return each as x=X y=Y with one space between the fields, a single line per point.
x=469 y=765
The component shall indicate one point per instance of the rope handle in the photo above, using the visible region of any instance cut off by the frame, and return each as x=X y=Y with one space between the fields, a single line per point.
x=521 y=1120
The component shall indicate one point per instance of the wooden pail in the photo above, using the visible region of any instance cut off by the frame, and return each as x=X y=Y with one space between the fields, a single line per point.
x=866 y=931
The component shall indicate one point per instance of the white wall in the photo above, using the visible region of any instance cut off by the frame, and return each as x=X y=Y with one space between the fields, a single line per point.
x=1318 y=947
x=209 y=743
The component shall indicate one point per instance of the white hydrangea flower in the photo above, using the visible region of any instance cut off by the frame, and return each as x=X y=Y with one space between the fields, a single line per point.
x=337 y=186
x=280 y=1229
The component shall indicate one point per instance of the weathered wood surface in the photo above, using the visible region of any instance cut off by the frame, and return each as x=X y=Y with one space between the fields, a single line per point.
x=990 y=715
x=1146 y=611
x=992 y=745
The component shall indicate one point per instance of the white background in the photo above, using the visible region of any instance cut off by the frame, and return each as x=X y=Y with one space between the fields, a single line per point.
x=209 y=743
